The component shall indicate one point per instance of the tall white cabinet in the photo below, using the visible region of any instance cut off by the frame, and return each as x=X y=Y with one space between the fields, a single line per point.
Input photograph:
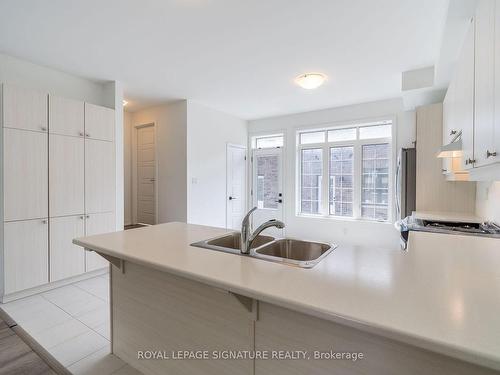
x=477 y=82
x=58 y=183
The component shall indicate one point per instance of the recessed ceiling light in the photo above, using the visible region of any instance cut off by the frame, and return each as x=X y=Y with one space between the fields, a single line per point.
x=310 y=81
x=125 y=103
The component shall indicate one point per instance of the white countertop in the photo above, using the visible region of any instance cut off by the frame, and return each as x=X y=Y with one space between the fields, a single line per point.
x=447 y=216
x=442 y=295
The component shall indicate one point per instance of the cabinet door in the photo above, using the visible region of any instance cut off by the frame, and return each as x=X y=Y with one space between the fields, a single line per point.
x=484 y=83
x=24 y=109
x=66 y=116
x=25 y=175
x=99 y=122
x=26 y=257
x=98 y=224
x=494 y=154
x=66 y=259
x=447 y=124
x=66 y=175
x=464 y=99
x=99 y=176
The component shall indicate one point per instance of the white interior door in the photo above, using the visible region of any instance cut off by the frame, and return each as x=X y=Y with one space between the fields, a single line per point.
x=146 y=175
x=267 y=181
x=235 y=189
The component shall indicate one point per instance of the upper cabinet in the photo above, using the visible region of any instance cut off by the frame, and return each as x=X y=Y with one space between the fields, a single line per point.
x=24 y=109
x=472 y=103
x=66 y=116
x=99 y=122
x=484 y=116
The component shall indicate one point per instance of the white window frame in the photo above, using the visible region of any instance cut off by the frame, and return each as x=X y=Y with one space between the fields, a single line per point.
x=357 y=166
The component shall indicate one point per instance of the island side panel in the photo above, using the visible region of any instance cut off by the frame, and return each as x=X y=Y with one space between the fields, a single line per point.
x=282 y=329
x=157 y=311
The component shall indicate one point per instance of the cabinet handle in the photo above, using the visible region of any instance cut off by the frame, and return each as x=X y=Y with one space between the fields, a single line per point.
x=490 y=154
x=44 y=221
x=44 y=129
x=87 y=216
x=446 y=170
x=87 y=134
x=80 y=134
x=82 y=217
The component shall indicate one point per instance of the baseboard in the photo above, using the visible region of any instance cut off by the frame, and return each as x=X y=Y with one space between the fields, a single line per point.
x=56 y=284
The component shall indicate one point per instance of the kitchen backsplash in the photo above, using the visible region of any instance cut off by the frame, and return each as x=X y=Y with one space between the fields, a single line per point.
x=488 y=200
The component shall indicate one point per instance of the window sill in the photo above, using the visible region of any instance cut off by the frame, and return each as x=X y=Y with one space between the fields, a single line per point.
x=343 y=219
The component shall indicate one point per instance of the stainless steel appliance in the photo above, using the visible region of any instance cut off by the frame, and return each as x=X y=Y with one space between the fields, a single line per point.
x=406 y=177
x=410 y=223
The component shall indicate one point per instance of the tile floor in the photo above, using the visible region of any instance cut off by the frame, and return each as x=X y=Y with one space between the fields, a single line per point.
x=72 y=323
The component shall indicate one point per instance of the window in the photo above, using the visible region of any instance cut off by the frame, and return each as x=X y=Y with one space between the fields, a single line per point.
x=357 y=161
x=311 y=176
x=375 y=182
x=267 y=181
x=341 y=180
x=271 y=141
x=312 y=137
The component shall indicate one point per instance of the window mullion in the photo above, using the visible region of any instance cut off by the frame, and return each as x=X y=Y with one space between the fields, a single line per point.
x=357 y=181
x=326 y=182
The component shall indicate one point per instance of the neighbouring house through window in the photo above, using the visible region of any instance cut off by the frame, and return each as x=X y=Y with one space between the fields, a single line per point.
x=357 y=161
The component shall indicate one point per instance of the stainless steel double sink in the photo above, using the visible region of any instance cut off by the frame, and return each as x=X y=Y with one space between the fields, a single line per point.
x=304 y=254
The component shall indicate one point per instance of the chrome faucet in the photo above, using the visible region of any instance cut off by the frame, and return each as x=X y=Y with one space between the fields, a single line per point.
x=247 y=236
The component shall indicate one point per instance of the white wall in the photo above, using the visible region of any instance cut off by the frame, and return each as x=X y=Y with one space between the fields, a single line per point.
x=352 y=232
x=488 y=200
x=127 y=166
x=209 y=131
x=171 y=126
x=37 y=77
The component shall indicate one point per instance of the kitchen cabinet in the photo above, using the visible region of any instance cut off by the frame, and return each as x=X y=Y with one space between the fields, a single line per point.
x=24 y=108
x=281 y=329
x=66 y=116
x=99 y=176
x=25 y=174
x=495 y=152
x=484 y=115
x=25 y=254
x=97 y=224
x=154 y=309
x=66 y=259
x=66 y=175
x=99 y=122
x=458 y=110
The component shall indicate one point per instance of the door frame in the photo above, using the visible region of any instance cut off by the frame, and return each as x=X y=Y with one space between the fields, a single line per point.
x=245 y=193
x=135 y=132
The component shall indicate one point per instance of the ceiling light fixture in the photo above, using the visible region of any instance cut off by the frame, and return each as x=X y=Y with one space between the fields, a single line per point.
x=125 y=103
x=310 y=81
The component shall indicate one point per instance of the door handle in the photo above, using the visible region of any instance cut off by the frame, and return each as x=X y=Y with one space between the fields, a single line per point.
x=279 y=200
x=152 y=179
x=232 y=198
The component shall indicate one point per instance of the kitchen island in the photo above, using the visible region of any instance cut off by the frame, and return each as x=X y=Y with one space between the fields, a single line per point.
x=431 y=310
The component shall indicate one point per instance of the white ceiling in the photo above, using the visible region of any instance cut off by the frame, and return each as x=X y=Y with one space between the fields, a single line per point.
x=238 y=56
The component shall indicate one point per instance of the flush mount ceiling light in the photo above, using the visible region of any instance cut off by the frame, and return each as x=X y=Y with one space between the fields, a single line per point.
x=310 y=81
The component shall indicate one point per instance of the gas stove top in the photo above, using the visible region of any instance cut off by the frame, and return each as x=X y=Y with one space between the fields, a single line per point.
x=482 y=229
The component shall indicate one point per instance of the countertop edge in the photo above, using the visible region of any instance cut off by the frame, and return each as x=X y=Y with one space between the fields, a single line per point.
x=447 y=349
